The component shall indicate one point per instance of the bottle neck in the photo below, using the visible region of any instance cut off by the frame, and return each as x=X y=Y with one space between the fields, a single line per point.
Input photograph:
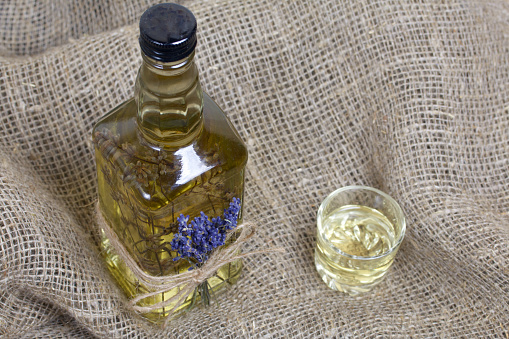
x=170 y=101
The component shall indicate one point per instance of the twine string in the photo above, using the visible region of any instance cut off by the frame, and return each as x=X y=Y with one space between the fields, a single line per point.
x=187 y=281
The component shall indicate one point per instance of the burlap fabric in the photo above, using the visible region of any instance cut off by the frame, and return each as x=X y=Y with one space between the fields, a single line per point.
x=412 y=98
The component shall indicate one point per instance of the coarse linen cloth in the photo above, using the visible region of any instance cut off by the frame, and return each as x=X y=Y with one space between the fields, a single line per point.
x=411 y=97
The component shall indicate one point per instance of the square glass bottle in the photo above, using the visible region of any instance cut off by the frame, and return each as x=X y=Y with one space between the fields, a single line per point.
x=166 y=153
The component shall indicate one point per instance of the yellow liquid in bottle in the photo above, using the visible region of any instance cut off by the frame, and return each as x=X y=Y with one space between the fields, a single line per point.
x=143 y=190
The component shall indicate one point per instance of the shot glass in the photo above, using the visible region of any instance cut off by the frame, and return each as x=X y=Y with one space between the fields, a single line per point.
x=359 y=231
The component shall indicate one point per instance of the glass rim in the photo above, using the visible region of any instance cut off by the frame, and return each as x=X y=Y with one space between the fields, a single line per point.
x=400 y=217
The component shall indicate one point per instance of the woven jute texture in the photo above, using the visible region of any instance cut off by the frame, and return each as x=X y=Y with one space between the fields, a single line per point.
x=411 y=97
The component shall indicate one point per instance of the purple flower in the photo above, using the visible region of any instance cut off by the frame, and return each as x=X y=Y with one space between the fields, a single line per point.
x=195 y=241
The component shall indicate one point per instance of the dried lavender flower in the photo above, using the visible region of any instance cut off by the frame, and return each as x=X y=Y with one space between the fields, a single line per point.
x=195 y=240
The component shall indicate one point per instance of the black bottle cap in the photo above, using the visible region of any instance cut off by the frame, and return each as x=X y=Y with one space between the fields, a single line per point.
x=167 y=32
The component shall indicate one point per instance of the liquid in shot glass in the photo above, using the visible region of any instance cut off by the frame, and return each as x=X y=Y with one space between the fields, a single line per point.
x=359 y=231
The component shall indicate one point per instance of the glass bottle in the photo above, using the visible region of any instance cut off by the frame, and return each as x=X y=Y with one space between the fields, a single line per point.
x=168 y=151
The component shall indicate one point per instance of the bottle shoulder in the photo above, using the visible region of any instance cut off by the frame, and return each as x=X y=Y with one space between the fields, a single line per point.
x=120 y=124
